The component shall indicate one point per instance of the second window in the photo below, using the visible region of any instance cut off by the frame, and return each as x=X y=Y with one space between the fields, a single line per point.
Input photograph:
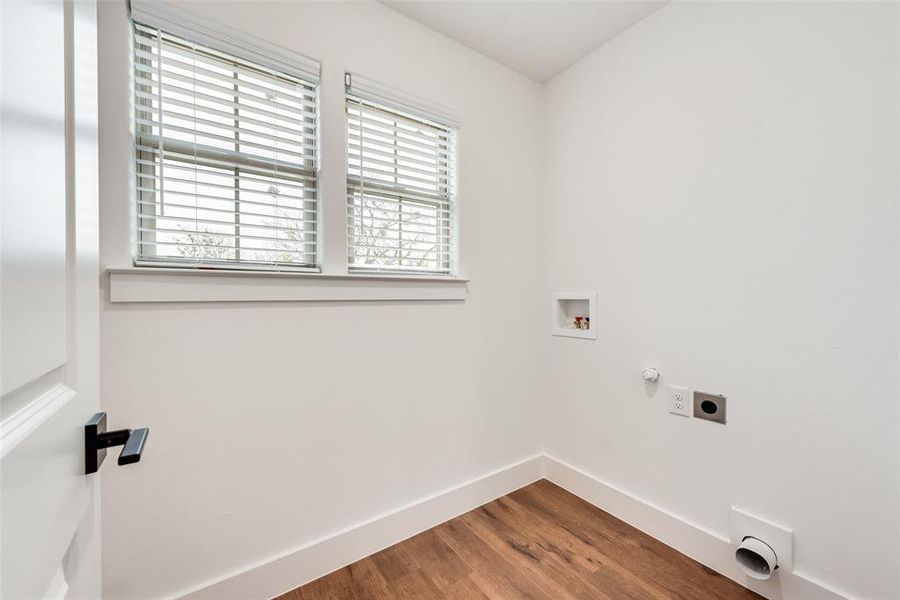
x=400 y=190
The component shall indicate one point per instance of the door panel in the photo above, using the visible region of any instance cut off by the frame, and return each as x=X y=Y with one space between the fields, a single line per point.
x=49 y=322
x=32 y=67
x=42 y=464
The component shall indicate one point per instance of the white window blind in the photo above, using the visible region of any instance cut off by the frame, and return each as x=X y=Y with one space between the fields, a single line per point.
x=400 y=190
x=226 y=158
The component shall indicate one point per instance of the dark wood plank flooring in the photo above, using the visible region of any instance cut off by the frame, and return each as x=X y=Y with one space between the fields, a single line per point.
x=538 y=542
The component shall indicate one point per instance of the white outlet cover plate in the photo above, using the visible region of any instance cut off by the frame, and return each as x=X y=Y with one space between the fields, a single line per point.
x=686 y=407
x=779 y=538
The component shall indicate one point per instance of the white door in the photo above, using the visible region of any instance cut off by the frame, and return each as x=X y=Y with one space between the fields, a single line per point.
x=49 y=294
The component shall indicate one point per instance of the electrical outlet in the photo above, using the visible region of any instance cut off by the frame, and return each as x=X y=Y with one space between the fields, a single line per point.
x=679 y=401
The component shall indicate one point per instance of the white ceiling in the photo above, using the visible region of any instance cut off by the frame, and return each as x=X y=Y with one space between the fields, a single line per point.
x=537 y=38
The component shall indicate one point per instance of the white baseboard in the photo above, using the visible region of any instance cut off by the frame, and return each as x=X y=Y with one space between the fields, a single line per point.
x=279 y=574
x=707 y=547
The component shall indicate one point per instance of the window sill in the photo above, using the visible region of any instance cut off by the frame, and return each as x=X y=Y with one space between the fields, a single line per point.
x=148 y=284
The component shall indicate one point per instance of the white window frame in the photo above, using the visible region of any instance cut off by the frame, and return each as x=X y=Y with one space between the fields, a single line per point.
x=127 y=283
x=362 y=92
x=176 y=22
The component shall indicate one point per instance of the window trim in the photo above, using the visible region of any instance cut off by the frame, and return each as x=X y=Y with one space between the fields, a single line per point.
x=168 y=284
x=360 y=91
x=180 y=24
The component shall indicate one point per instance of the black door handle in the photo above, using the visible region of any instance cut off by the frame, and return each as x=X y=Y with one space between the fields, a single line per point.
x=134 y=445
x=97 y=440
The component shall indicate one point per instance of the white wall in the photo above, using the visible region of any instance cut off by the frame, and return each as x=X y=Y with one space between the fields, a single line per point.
x=726 y=176
x=276 y=424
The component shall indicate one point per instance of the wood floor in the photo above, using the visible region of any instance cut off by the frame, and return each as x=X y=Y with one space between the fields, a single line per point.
x=537 y=542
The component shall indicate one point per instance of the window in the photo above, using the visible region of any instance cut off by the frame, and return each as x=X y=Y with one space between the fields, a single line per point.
x=400 y=190
x=226 y=158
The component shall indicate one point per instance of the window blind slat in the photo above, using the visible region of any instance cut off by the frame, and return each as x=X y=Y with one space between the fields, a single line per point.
x=191 y=82
x=286 y=87
x=243 y=236
x=212 y=113
x=199 y=122
x=372 y=113
x=209 y=209
x=433 y=220
x=197 y=253
x=149 y=98
x=387 y=152
x=392 y=165
x=388 y=189
x=374 y=134
x=400 y=190
x=199 y=198
x=225 y=155
x=289 y=183
x=220 y=158
x=211 y=138
x=284 y=200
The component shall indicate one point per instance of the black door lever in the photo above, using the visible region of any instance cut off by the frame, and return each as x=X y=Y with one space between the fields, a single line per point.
x=97 y=440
